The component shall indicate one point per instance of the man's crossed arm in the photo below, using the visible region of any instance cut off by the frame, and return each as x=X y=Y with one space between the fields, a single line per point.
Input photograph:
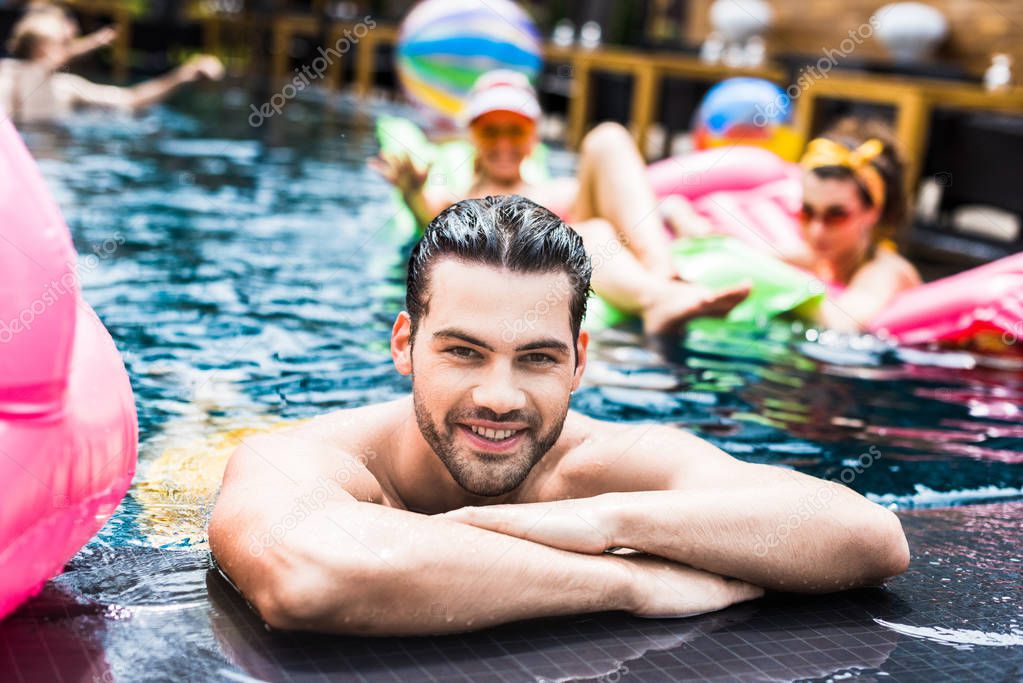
x=770 y=526
x=348 y=564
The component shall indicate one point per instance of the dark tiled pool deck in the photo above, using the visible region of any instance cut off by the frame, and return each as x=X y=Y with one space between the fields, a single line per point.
x=956 y=615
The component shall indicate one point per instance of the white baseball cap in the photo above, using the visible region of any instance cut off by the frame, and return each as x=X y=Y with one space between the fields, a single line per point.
x=501 y=90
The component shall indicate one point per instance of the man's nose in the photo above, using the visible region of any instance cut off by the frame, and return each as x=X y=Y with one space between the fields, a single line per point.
x=498 y=391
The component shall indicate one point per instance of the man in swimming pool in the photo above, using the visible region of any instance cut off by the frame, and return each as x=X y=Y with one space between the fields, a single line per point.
x=481 y=498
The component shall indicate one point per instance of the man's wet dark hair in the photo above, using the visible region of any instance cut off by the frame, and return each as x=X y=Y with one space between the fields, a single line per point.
x=509 y=232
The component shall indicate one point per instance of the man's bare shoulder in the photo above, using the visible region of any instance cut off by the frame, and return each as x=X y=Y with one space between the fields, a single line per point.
x=348 y=446
x=603 y=457
x=355 y=429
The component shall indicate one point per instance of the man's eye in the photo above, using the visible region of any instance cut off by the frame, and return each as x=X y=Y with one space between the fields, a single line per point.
x=462 y=352
x=539 y=358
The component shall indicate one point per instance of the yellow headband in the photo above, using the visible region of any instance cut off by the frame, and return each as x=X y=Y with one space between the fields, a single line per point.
x=822 y=152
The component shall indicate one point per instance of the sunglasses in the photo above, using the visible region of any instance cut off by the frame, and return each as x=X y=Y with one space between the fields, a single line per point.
x=515 y=133
x=831 y=217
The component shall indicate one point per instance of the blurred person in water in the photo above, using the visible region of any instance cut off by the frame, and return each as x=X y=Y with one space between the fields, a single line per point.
x=79 y=45
x=33 y=86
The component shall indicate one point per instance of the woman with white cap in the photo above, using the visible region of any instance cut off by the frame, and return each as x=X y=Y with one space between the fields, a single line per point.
x=609 y=202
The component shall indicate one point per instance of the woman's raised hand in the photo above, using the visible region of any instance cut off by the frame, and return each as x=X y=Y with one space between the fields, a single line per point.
x=203 y=67
x=401 y=171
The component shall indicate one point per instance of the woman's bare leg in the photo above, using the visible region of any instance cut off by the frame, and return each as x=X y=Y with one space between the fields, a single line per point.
x=613 y=185
x=640 y=276
x=622 y=280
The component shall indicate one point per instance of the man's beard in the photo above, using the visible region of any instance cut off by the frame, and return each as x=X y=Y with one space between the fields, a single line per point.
x=481 y=473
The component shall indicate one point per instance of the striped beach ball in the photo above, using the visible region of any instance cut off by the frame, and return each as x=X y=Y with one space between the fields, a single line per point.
x=445 y=45
x=747 y=111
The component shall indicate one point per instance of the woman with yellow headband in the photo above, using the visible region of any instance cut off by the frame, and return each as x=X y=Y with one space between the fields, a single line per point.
x=853 y=201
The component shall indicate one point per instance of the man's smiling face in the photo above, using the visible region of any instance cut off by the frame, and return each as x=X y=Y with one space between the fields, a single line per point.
x=493 y=364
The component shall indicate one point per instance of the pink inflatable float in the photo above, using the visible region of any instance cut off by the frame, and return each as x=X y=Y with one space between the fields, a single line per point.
x=754 y=196
x=746 y=192
x=984 y=301
x=68 y=433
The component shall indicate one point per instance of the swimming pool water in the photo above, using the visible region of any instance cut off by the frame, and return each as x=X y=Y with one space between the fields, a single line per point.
x=248 y=275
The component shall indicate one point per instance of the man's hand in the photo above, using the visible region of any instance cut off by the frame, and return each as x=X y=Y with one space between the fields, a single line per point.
x=581 y=525
x=659 y=587
x=202 y=66
x=399 y=170
x=662 y=588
